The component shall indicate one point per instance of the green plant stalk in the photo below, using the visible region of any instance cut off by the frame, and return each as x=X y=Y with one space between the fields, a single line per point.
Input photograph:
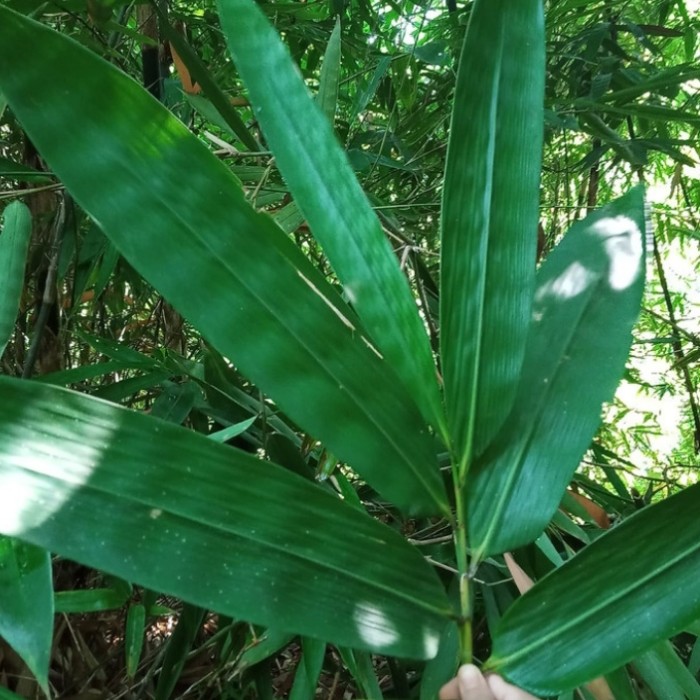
x=460 y=539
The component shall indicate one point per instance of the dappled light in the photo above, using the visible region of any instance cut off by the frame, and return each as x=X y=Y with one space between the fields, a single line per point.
x=40 y=475
x=572 y=282
x=377 y=630
x=623 y=242
x=305 y=339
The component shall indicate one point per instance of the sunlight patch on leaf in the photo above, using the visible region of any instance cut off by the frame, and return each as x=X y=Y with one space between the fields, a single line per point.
x=373 y=625
x=375 y=629
x=572 y=282
x=623 y=244
x=23 y=487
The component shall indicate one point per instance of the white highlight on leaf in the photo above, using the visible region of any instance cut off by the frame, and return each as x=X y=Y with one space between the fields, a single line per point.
x=373 y=625
x=377 y=631
x=569 y=284
x=40 y=473
x=622 y=240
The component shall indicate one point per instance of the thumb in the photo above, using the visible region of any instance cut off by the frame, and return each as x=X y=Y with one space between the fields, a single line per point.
x=472 y=684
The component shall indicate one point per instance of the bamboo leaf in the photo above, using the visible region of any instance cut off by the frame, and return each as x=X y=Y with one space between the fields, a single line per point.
x=175 y=512
x=14 y=244
x=26 y=613
x=134 y=635
x=228 y=269
x=663 y=670
x=200 y=73
x=631 y=588
x=489 y=218
x=327 y=96
x=587 y=301
x=324 y=186
x=308 y=670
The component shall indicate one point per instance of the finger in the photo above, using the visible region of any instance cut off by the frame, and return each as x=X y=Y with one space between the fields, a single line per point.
x=470 y=684
x=450 y=691
x=503 y=690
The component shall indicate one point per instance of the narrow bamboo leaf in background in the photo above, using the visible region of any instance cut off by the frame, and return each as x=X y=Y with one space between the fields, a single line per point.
x=324 y=186
x=662 y=669
x=176 y=402
x=134 y=634
x=327 y=96
x=365 y=96
x=91 y=600
x=489 y=218
x=201 y=75
x=440 y=669
x=14 y=243
x=193 y=523
x=587 y=300
x=270 y=642
x=179 y=646
x=359 y=663
x=631 y=588
x=26 y=612
x=308 y=669
x=252 y=301
x=232 y=431
x=18 y=171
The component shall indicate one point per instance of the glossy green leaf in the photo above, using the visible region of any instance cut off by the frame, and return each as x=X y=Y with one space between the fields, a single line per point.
x=17 y=171
x=587 y=300
x=365 y=95
x=229 y=270
x=207 y=523
x=620 y=684
x=440 y=669
x=176 y=402
x=232 y=431
x=326 y=191
x=134 y=635
x=631 y=588
x=91 y=599
x=178 y=648
x=665 y=673
x=270 y=642
x=359 y=664
x=26 y=612
x=489 y=218
x=14 y=244
x=308 y=670
x=327 y=96
x=6 y=694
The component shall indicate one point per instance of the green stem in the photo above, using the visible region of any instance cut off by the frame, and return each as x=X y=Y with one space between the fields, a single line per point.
x=460 y=539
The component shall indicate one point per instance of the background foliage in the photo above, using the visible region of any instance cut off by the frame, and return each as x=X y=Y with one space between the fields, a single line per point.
x=621 y=95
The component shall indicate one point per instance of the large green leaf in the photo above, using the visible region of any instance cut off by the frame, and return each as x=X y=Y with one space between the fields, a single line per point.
x=14 y=243
x=179 y=217
x=26 y=610
x=587 y=301
x=489 y=218
x=324 y=186
x=171 y=510
x=636 y=585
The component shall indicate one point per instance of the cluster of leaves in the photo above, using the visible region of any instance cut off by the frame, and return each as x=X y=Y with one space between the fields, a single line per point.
x=334 y=338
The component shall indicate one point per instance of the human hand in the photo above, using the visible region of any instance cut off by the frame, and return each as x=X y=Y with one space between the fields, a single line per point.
x=471 y=684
